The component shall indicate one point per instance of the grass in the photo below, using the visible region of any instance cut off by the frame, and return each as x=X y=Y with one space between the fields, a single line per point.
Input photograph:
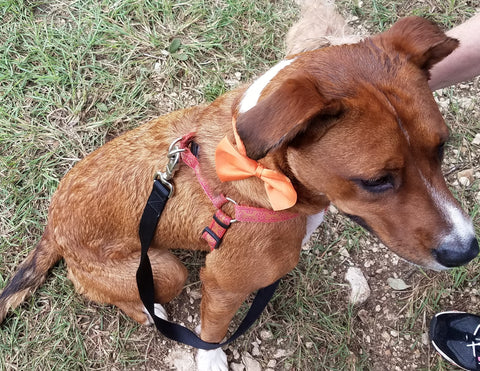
x=74 y=74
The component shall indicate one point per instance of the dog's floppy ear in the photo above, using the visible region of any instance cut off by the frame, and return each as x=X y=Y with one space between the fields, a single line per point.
x=422 y=41
x=282 y=114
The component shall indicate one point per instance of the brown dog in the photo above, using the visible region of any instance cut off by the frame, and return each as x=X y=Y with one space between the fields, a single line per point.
x=355 y=125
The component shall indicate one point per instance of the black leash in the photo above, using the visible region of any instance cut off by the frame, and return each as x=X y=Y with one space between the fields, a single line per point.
x=148 y=223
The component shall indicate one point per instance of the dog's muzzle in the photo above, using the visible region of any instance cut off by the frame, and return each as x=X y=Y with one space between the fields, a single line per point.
x=455 y=252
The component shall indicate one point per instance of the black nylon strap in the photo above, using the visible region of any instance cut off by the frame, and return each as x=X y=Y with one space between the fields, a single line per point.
x=148 y=223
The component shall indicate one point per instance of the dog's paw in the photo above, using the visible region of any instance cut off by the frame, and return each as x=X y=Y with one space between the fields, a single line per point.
x=159 y=312
x=212 y=360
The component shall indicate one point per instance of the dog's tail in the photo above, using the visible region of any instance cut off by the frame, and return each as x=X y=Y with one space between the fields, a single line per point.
x=29 y=276
x=320 y=25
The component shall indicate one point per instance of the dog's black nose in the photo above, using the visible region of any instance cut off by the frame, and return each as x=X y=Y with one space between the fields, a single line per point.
x=454 y=254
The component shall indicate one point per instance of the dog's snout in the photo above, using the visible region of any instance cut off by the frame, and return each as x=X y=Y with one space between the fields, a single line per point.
x=455 y=253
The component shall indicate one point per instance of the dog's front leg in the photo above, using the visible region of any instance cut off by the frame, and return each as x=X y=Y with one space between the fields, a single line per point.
x=218 y=307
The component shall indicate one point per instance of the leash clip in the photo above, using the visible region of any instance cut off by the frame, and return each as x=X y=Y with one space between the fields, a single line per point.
x=173 y=156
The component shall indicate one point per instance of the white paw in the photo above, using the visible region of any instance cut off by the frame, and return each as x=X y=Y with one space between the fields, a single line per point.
x=159 y=312
x=212 y=360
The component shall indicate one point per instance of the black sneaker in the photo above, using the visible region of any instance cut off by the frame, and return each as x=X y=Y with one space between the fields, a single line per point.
x=456 y=336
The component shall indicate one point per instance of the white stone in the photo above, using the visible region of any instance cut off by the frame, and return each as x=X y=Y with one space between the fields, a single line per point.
x=360 y=291
x=476 y=140
x=266 y=335
x=237 y=367
x=272 y=363
x=250 y=363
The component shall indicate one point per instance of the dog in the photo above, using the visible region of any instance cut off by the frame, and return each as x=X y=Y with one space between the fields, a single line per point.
x=354 y=125
x=320 y=25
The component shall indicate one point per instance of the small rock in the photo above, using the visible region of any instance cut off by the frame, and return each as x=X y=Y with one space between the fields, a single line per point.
x=465 y=182
x=465 y=177
x=196 y=294
x=250 y=363
x=272 y=363
x=476 y=140
x=280 y=353
x=236 y=367
x=344 y=252
x=360 y=291
x=266 y=335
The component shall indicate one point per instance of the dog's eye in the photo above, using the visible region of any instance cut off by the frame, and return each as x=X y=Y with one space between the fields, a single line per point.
x=377 y=185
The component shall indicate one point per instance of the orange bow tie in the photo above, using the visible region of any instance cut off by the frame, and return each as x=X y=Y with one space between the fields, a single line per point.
x=233 y=164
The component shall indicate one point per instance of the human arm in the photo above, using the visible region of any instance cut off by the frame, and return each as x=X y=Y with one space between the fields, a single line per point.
x=464 y=62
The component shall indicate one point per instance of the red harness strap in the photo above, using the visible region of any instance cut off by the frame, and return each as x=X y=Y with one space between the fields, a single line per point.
x=214 y=233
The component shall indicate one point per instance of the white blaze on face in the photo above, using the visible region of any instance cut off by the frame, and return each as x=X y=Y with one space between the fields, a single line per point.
x=462 y=229
x=252 y=95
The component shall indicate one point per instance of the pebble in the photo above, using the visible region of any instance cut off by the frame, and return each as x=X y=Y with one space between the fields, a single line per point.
x=360 y=291
x=236 y=367
x=195 y=294
x=266 y=335
x=280 y=353
x=251 y=364
x=476 y=140
x=465 y=177
x=272 y=363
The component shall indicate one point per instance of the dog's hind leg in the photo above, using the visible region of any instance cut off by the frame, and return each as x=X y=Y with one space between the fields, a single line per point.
x=114 y=282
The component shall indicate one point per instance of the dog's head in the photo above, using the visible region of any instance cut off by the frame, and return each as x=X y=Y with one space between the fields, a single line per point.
x=357 y=125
